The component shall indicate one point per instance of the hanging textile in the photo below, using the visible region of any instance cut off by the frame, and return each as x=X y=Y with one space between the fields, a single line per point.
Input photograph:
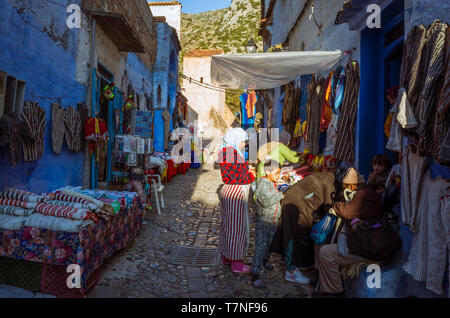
x=316 y=91
x=442 y=119
x=345 y=141
x=14 y=132
x=84 y=114
x=291 y=107
x=434 y=54
x=34 y=117
x=167 y=118
x=410 y=77
x=250 y=105
x=72 y=128
x=96 y=133
x=57 y=127
x=326 y=109
x=244 y=117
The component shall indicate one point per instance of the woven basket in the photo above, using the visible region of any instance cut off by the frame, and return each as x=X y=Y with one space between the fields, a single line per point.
x=54 y=282
x=20 y=273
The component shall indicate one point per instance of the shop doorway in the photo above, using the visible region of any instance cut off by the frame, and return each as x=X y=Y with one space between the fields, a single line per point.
x=381 y=58
x=111 y=112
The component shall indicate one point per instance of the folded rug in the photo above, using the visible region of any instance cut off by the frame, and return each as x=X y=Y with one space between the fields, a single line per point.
x=11 y=222
x=12 y=210
x=65 y=212
x=56 y=223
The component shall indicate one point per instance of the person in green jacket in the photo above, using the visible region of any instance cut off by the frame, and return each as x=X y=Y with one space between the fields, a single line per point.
x=280 y=153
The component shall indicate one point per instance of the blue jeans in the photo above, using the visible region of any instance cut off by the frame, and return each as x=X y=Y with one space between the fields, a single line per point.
x=264 y=236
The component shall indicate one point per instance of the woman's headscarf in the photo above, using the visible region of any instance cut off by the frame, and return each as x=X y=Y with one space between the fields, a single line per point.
x=234 y=137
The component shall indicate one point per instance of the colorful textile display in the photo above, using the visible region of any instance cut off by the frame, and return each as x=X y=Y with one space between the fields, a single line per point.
x=11 y=222
x=20 y=204
x=58 y=224
x=12 y=210
x=65 y=212
x=34 y=117
x=326 y=108
x=89 y=248
x=250 y=104
x=59 y=196
x=90 y=199
x=57 y=128
x=75 y=205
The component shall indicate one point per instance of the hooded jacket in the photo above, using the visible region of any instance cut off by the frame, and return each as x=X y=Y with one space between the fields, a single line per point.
x=268 y=199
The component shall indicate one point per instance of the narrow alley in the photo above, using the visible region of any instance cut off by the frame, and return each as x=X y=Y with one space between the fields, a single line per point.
x=192 y=218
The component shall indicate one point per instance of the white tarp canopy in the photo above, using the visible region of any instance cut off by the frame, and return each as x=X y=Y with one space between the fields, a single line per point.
x=268 y=70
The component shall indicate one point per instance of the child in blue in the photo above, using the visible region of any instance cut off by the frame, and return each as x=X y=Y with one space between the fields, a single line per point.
x=267 y=198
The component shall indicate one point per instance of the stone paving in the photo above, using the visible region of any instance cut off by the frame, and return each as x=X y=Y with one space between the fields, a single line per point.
x=192 y=218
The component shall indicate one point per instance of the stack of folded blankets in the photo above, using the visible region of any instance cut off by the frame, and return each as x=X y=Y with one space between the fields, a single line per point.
x=15 y=207
x=57 y=212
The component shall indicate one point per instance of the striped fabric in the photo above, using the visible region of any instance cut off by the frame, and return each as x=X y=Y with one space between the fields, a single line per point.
x=20 y=204
x=12 y=210
x=442 y=130
x=85 y=197
x=234 y=234
x=72 y=204
x=34 y=117
x=8 y=189
x=434 y=61
x=56 y=224
x=410 y=77
x=19 y=196
x=57 y=127
x=11 y=222
x=72 y=129
x=69 y=198
x=316 y=92
x=345 y=142
x=65 y=212
x=428 y=258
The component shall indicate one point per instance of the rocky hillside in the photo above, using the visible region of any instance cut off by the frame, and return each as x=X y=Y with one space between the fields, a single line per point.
x=228 y=29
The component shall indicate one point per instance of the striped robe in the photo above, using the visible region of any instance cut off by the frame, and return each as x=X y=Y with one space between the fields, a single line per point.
x=34 y=117
x=72 y=129
x=234 y=234
x=57 y=127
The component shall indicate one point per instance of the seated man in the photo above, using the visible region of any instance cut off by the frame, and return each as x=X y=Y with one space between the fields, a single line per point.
x=365 y=205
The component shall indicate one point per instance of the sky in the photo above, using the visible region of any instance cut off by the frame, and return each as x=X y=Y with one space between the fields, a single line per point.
x=195 y=6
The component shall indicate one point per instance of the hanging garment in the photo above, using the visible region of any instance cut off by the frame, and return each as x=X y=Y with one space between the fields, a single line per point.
x=388 y=125
x=72 y=129
x=34 y=117
x=250 y=105
x=290 y=107
x=405 y=116
x=428 y=257
x=410 y=76
x=167 y=118
x=395 y=136
x=326 y=108
x=345 y=141
x=331 y=135
x=57 y=127
x=434 y=59
x=96 y=133
x=316 y=91
x=413 y=169
x=244 y=119
x=337 y=90
x=14 y=132
x=84 y=114
x=441 y=149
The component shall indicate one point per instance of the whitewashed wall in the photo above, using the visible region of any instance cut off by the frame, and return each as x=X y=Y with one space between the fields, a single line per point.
x=172 y=14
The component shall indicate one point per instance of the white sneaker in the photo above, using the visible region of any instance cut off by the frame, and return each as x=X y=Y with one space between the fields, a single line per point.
x=296 y=277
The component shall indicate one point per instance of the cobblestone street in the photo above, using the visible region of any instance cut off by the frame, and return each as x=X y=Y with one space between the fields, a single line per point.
x=191 y=218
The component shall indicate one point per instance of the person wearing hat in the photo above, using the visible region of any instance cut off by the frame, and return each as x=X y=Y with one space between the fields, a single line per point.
x=366 y=204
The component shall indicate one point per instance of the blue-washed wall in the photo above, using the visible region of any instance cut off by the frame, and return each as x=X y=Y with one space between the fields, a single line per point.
x=165 y=75
x=36 y=46
x=139 y=76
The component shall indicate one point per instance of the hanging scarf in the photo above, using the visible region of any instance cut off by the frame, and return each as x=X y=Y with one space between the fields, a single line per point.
x=234 y=137
x=337 y=89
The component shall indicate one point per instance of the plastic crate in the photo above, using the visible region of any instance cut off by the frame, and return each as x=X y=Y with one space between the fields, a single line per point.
x=54 y=282
x=20 y=273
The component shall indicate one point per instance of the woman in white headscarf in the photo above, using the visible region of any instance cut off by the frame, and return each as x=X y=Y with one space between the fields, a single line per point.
x=237 y=177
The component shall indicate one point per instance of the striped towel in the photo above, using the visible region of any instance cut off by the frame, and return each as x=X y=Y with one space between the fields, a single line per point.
x=65 y=212
x=12 y=210
x=11 y=222
x=56 y=224
x=20 y=204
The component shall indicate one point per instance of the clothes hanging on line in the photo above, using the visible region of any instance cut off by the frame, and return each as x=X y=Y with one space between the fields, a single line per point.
x=250 y=105
x=14 y=133
x=34 y=117
x=57 y=128
x=72 y=129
